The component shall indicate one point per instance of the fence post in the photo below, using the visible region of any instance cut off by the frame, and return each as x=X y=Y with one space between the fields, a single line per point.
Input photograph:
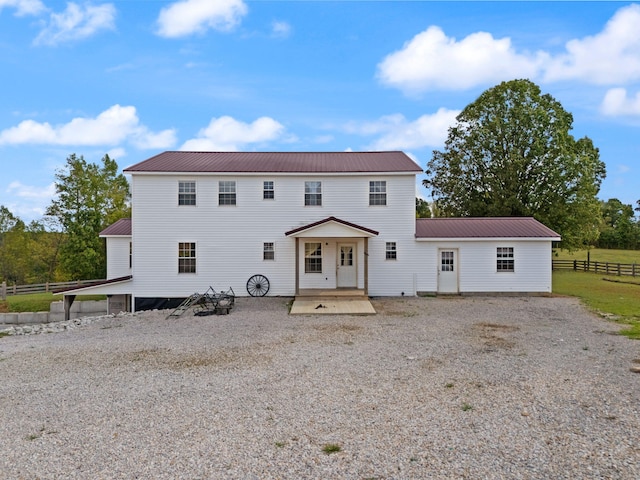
x=3 y=291
x=575 y=265
x=15 y=291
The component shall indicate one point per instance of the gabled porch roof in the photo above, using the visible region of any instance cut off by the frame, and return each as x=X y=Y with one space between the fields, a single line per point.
x=331 y=227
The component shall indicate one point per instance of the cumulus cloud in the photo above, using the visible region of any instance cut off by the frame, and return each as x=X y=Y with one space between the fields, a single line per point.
x=616 y=103
x=24 y=7
x=609 y=57
x=19 y=189
x=433 y=60
x=227 y=134
x=115 y=125
x=76 y=23
x=187 y=17
x=280 y=29
x=397 y=133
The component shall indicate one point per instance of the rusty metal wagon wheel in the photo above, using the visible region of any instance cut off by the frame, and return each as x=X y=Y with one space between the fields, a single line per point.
x=258 y=286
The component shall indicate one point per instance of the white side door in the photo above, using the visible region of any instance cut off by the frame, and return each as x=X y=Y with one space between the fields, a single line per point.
x=346 y=265
x=448 y=270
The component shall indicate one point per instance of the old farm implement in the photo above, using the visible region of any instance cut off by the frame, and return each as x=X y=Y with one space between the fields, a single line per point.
x=208 y=303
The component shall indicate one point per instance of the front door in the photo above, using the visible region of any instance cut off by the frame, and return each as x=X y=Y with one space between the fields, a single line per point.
x=448 y=271
x=347 y=265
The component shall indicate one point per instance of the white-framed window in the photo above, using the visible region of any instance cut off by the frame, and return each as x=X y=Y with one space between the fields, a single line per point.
x=186 y=193
x=313 y=257
x=391 y=251
x=505 y=261
x=313 y=193
x=268 y=190
x=378 y=192
x=226 y=192
x=268 y=251
x=186 y=257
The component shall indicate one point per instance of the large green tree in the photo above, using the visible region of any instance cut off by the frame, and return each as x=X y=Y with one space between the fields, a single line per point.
x=510 y=153
x=89 y=198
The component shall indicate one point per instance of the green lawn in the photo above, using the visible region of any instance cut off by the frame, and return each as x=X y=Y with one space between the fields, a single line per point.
x=600 y=255
x=609 y=296
x=37 y=302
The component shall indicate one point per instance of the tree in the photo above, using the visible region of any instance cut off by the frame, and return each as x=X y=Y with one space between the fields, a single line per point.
x=510 y=154
x=89 y=198
x=619 y=230
x=422 y=208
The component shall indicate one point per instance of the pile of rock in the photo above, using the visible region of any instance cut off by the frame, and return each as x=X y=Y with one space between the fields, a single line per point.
x=54 y=327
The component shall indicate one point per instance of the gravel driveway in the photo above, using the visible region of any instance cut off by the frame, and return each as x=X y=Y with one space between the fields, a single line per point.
x=428 y=388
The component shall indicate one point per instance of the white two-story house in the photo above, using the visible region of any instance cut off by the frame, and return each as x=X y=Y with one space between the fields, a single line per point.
x=285 y=223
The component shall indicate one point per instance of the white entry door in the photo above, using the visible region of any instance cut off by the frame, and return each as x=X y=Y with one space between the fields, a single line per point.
x=448 y=271
x=347 y=265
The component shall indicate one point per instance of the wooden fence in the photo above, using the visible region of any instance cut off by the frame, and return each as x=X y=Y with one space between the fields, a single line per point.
x=607 y=268
x=6 y=290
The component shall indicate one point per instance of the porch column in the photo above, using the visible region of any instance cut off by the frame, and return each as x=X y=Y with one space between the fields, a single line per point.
x=297 y=266
x=366 y=266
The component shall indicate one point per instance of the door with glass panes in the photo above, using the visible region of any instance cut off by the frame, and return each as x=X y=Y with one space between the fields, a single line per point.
x=448 y=270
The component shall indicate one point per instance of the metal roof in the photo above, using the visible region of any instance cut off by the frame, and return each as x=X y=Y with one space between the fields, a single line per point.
x=485 y=227
x=276 y=162
x=122 y=228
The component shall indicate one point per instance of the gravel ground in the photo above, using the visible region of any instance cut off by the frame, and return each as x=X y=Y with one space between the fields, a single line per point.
x=475 y=387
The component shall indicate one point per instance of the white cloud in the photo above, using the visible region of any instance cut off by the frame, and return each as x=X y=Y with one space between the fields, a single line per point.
x=280 y=29
x=433 y=60
x=115 y=125
x=76 y=23
x=616 y=103
x=24 y=7
x=397 y=133
x=227 y=134
x=187 y=17
x=18 y=189
x=609 y=57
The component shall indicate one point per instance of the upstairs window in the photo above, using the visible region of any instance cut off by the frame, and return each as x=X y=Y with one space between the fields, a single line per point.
x=313 y=193
x=391 y=252
x=226 y=192
x=268 y=251
x=268 y=190
x=186 y=193
x=186 y=257
x=505 y=259
x=313 y=257
x=378 y=192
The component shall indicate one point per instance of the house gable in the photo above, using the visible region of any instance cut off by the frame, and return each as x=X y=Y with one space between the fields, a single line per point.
x=331 y=227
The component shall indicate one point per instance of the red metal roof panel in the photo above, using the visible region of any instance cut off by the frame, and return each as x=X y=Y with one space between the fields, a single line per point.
x=485 y=227
x=121 y=228
x=276 y=162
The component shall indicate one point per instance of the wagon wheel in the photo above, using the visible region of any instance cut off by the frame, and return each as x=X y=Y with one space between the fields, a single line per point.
x=258 y=286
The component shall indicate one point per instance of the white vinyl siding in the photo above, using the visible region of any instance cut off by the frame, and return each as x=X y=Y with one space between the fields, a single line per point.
x=118 y=257
x=227 y=251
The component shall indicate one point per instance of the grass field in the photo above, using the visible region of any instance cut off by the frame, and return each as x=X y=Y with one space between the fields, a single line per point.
x=605 y=295
x=37 y=302
x=600 y=255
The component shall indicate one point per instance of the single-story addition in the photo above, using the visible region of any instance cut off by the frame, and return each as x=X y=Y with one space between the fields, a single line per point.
x=279 y=223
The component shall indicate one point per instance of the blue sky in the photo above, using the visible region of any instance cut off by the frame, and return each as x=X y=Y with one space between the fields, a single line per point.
x=134 y=78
